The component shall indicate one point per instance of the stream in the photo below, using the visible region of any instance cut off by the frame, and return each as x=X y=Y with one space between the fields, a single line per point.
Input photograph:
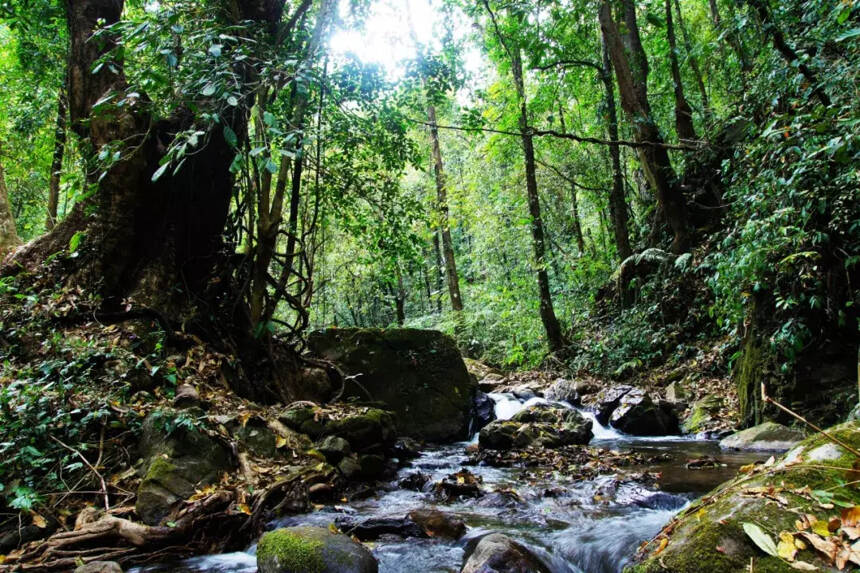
x=590 y=526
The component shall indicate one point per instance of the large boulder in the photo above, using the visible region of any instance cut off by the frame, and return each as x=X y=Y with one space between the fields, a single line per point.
x=497 y=553
x=419 y=374
x=786 y=505
x=638 y=414
x=544 y=425
x=703 y=413
x=179 y=457
x=312 y=550
x=766 y=437
x=607 y=400
x=563 y=390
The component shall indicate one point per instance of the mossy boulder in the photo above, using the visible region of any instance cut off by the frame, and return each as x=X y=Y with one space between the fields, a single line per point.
x=419 y=374
x=545 y=425
x=312 y=550
x=709 y=534
x=766 y=437
x=178 y=457
x=501 y=554
x=639 y=414
x=362 y=428
x=702 y=413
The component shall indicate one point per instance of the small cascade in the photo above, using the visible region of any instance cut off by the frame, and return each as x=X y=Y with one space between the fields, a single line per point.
x=508 y=405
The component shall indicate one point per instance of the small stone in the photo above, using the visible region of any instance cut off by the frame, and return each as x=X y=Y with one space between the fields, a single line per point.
x=334 y=448
x=187 y=397
x=349 y=467
x=320 y=491
x=438 y=524
x=100 y=567
x=501 y=554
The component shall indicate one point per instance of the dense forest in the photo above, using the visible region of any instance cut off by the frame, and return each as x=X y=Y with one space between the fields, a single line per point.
x=256 y=255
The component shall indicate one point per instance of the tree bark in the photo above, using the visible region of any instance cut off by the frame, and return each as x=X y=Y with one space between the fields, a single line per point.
x=694 y=62
x=554 y=335
x=617 y=201
x=577 y=224
x=8 y=232
x=57 y=161
x=683 y=111
x=631 y=76
x=442 y=206
x=437 y=253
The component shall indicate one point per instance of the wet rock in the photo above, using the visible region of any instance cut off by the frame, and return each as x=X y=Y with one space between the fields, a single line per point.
x=639 y=415
x=178 y=458
x=607 y=401
x=483 y=410
x=563 y=391
x=545 y=425
x=525 y=391
x=321 y=491
x=100 y=567
x=312 y=550
x=373 y=528
x=462 y=484
x=415 y=481
x=406 y=448
x=768 y=436
x=717 y=519
x=372 y=466
x=500 y=554
x=854 y=414
x=349 y=467
x=188 y=397
x=419 y=374
x=675 y=393
x=334 y=449
x=438 y=524
x=702 y=414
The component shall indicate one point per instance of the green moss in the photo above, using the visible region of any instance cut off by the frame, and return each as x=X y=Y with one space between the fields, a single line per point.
x=748 y=380
x=160 y=470
x=292 y=552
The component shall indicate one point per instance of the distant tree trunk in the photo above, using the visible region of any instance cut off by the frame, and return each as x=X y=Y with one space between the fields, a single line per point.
x=732 y=39
x=554 y=335
x=577 y=224
x=631 y=73
x=437 y=253
x=694 y=61
x=617 y=202
x=57 y=161
x=400 y=300
x=787 y=52
x=683 y=111
x=442 y=206
x=8 y=233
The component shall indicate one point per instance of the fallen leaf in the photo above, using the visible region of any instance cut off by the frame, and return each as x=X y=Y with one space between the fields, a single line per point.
x=804 y=566
x=280 y=442
x=38 y=520
x=663 y=543
x=786 y=548
x=761 y=538
x=824 y=546
x=851 y=517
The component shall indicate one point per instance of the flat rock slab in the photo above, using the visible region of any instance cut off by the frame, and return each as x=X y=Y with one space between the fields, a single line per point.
x=767 y=437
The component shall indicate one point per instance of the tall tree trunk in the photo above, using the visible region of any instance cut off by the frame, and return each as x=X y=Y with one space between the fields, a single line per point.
x=694 y=62
x=554 y=335
x=57 y=161
x=632 y=86
x=442 y=206
x=617 y=202
x=400 y=299
x=731 y=37
x=8 y=232
x=683 y=111
x=440 y=271
x=577 y=223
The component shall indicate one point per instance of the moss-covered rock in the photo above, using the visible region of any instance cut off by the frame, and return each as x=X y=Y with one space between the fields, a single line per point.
x=178 y=458
x=548 y=426
x=766 y=437
x=419 y=374
x=312 y=550
x=702 y=413
x=709 y=535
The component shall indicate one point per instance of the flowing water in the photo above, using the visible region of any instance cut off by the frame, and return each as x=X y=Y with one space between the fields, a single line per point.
x=591 y=526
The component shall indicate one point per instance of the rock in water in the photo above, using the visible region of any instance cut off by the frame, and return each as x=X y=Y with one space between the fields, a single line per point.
x=312 y=550
x=563 y=390
x=546 y=425
x=497 y=553
x=639 y=415
x=484 y=410
x=438 y=524
x=100 y=567
x=725 y=530
x=419 y=374
x=767 y=437
x=607 y=400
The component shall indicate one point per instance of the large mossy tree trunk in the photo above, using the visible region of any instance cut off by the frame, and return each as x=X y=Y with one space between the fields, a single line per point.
x=153 y=245
x=8 y=232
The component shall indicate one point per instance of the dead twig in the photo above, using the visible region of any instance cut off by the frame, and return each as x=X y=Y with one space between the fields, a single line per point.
x=89 y=465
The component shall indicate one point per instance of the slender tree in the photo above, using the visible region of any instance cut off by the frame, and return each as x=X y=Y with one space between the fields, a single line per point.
x=8 y=232
x=683 y=111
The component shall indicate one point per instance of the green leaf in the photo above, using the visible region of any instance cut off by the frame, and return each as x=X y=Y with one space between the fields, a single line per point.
x=215 y=50
x=160 y=171
x=230 y=136
x=761 y=539
x=208 y=90
x=75 y=241
x=232 y=101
